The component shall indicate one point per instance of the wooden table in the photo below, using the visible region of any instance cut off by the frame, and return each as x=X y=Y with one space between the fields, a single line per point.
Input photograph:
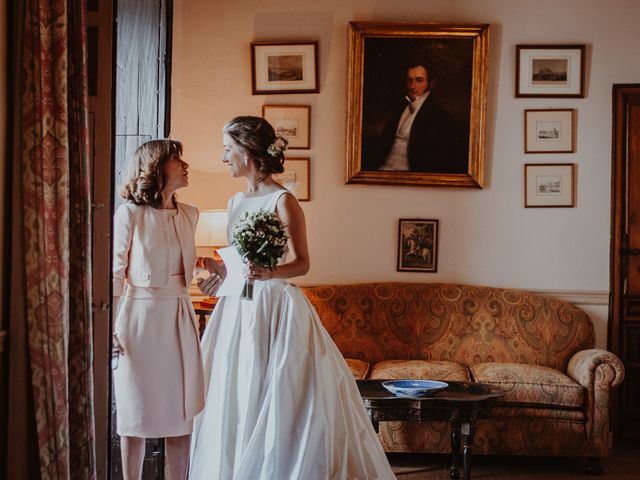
x=203 y=311
x=461 y=403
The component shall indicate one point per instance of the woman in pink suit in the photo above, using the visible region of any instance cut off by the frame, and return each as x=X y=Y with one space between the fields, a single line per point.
x=159 y=386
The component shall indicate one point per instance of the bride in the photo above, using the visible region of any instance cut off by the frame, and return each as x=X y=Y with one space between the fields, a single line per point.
x=281 y=403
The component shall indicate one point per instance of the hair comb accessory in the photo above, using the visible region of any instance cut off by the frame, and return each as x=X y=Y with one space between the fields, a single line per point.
x=278 y=146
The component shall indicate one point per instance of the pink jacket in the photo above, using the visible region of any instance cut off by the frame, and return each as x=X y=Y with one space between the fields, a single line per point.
x=140 y=243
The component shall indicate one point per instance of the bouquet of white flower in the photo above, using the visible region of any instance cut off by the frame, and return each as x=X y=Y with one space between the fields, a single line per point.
x=261 y=239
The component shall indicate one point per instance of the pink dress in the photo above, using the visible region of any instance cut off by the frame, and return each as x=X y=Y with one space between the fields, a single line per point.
x=158 y=381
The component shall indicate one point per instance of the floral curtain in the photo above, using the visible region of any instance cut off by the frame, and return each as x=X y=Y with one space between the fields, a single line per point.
x=57 y=234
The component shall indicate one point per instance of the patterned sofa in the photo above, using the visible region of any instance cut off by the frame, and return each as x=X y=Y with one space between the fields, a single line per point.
x=537 y=348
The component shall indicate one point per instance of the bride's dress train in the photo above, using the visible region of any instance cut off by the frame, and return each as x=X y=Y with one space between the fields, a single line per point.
x=282 y=403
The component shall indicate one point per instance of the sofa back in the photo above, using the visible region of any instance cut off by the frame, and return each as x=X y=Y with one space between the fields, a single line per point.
x=460 y=323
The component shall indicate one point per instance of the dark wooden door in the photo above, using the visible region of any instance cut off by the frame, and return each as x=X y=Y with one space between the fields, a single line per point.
x=142 y=72
x=624 y=321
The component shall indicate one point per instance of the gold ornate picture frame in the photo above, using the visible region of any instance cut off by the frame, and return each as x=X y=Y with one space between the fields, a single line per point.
x=445 y=143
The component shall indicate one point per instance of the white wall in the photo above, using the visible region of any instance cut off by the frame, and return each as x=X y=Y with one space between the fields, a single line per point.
x=486 y=237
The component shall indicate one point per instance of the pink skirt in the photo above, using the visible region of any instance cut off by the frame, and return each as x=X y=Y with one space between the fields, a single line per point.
x=158 y=382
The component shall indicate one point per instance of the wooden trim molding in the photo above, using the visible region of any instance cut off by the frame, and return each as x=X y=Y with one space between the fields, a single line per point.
x=578 y=297
x=3 y=337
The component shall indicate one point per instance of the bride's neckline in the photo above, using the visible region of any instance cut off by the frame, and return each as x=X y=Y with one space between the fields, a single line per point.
x=248 y=195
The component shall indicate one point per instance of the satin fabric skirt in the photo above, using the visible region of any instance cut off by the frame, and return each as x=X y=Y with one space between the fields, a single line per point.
x=159 y=384
x=281 y=403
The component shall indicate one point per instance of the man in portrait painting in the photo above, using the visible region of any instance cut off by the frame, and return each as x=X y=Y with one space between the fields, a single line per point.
x=419 y=135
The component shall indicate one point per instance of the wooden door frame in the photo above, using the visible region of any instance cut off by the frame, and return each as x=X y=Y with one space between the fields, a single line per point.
x=618 y=224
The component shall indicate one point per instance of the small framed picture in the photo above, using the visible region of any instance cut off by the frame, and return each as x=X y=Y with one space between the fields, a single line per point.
x=295 y=178
x=290 y=67
x=549 y=185
x=549 y=131
x=292 y=122
x=417 y=245
x=550 y=71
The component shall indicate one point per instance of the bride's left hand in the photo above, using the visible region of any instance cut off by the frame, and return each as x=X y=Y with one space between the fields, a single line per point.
x=255 y=272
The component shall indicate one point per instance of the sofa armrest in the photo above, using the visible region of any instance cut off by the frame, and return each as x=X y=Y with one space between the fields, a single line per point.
x=583 y=365
x=597 y=371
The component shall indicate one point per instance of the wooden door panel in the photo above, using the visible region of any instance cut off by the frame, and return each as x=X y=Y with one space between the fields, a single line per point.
x=633 y=185
x=624 y=318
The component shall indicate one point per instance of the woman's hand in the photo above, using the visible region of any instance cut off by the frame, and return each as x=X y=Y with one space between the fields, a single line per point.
x=210 y=285
x=255 y=272
x=215 y=267
x=116 y=345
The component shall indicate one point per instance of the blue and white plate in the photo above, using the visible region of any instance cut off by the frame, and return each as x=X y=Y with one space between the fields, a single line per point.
x=414 y=388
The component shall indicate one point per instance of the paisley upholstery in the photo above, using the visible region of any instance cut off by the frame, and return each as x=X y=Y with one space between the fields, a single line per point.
x=456 y=323
x=359 y=369
x=531 y=384
x=435 y=370
x=539 y=349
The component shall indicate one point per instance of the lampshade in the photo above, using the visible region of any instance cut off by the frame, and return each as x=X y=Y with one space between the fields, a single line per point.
x=212 y=229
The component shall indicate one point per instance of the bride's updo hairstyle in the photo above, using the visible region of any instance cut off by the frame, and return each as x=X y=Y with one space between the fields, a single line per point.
x=258 y=139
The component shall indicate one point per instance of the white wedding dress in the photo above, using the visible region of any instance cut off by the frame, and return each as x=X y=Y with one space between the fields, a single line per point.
x=281 y=403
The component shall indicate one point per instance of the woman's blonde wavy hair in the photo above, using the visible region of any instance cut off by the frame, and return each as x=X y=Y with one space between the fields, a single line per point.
x=143 y=180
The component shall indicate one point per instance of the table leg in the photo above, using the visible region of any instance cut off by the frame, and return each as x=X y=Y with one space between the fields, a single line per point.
x=468 y=429
x=454 y=472
x=202 y=323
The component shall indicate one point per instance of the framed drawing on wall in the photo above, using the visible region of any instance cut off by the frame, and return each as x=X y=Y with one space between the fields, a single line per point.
x=295 y=178
x=549 y=131
x=292 y=122
x=285 y=67
x=550 y=71
x=417 y=245
x=416 y=107
x=549 y=185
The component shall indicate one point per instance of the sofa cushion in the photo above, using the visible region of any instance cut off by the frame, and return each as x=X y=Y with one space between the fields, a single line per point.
x=358 y=368
x=530 y=384
x=425 y=369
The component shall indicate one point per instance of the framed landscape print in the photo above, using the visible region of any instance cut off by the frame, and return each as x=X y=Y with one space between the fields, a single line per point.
x=417 y=245
x=550 y=71
x=549 y=131
x=287 y=67
x=437 y=137
x=295 y=178
x=549 y=185
x=291 y=122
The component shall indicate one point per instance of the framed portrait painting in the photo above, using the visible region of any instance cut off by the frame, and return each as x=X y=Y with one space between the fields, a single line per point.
x=549 y=185
x=549 y=131
x=417 y=245
x=417 y=104
x=550 y=71
x=291 y=122
x=295 y=178
x=284 y=67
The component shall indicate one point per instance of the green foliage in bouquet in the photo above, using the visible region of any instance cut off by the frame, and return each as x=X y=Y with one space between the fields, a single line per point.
x=260 y=238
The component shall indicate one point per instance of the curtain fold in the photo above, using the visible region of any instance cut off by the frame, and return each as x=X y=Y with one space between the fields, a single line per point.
x=57 y=235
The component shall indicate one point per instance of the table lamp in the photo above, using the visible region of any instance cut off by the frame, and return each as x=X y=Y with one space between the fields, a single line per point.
x=211 y=233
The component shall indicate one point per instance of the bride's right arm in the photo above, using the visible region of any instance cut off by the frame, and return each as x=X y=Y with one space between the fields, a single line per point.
x=291 y=214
